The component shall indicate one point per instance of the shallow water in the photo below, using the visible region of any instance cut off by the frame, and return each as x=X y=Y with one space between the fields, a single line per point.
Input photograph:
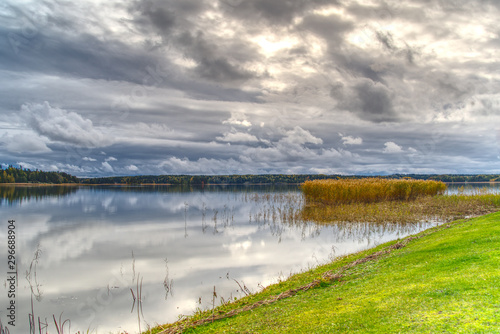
x=101 y=247
x=473 y=188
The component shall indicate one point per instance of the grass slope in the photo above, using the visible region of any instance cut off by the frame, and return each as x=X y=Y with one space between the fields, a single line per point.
x=446 y=279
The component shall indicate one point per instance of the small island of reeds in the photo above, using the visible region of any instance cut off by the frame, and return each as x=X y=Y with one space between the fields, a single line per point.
x=370 y=190
x=390 y=201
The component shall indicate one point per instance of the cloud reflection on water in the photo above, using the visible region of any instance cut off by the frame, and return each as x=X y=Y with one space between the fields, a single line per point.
x=88 y=237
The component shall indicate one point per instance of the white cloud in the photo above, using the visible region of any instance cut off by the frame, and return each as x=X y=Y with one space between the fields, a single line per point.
x=391 y=147
x=292 y=147
x=60 y=125
x=30 y=166
x=238 y=119
x=176 y=165
x=154 y=130
x=68 y=168
x=235 y=137
x=20 y=143
x=89 y=159
x=132 y=168
x=299 y=136
x=349 y=140
x=111 y=159
x=107 y=167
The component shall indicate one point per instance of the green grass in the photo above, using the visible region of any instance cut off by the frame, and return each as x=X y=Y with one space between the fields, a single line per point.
x=445 y=280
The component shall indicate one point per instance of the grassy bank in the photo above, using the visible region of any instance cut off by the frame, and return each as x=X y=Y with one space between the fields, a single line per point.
x=445 y=279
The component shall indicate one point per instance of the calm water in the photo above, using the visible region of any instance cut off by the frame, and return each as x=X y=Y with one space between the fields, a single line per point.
x=468 y=188
x=101 y=247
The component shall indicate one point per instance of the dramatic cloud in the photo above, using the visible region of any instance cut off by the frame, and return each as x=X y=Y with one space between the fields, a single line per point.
x=19 y=143
x=60 y=125
x=250 y=86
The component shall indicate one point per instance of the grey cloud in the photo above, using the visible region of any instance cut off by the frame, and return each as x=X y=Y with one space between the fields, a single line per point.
x=62 y=22
x=375 y=102
x=220 y=70
x=300 y=51
x=273 y=12
x=447 y=88
x=161 y=18
x=282 y=11
x=83 y=56
x=165 y=15
x=225 y=99
x=386 y=39
x=154 y=15
x=378 y=12
x=449 y=84
x=337 y=90
x=410 y=54
x=57 y=40
x=210 y=63
x=331 y=28
x=180 y=28
x=359 y=64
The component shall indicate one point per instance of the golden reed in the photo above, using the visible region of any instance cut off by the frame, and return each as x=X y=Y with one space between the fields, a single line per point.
x=368 y=190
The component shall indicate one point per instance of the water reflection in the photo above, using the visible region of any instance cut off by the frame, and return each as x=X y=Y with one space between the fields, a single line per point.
x=10 y=194
x=168 y=247
x=473 y=188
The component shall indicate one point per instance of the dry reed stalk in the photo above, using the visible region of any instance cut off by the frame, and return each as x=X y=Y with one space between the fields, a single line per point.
x=369 y=190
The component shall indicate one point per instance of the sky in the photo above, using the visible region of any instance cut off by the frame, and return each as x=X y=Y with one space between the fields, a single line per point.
x=100 y=88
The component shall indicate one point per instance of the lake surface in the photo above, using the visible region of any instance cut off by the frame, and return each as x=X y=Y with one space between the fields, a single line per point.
x=101 y=248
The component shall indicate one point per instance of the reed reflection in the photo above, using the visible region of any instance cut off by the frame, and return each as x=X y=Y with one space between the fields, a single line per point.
x=279 y=212
x=96 y=241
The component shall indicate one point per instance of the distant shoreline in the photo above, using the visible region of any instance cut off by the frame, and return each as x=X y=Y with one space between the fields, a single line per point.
x=191 y=184
x=40 y=184
x=207 y=184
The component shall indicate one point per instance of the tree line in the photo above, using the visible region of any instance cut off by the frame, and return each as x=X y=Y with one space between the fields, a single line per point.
x=21 y=175
x=273 y=178
x=205 y=179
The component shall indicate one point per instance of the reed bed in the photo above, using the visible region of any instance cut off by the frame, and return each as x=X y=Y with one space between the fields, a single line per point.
x=442 y=208
x=369 y=190
x=294 y=209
